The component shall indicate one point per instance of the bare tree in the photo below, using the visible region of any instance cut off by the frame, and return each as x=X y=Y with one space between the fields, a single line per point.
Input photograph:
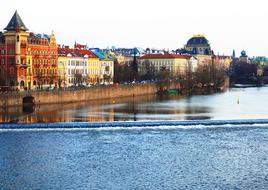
x=149 y=70
x=78 y=79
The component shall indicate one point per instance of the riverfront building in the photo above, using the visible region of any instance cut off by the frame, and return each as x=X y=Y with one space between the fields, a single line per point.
x=198 y=45
x=76 y=65
x=177 y=65
x=106 y=66
x=94 y=70
x=28 y=60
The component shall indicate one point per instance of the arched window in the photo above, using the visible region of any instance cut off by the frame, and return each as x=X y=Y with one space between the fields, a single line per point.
x=22 y=83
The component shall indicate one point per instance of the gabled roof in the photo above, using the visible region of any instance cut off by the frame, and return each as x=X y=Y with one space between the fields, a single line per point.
x=16 y=23
x=100 y=54
x=164 y=56
x=76 y=52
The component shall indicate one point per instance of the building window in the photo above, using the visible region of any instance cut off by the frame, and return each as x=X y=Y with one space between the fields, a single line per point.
x=12 y=61
x=11 y=71
x=12 y=52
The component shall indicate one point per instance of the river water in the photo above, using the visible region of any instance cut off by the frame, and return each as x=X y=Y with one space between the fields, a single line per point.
x=239 y=103
x=197 y=156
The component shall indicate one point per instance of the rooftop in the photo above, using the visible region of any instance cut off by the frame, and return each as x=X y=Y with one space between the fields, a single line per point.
x=165 y=56
x=16 y=23
x=198 y=40
x=75 y=52
x=102 y=55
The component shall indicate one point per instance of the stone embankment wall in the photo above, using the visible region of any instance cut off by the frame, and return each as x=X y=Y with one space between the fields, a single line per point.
x=95 y=93
x=89 y=94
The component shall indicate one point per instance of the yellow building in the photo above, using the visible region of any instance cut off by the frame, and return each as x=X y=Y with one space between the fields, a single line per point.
x=94 y=69
x=106 y=66
x=154 y=63
x=29 y=75
x=62 y=70
x=79 y=66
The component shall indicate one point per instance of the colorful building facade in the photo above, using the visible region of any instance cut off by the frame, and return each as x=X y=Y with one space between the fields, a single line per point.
x=94 y=70
x=28 y=60
x=44 y=52
x=77 y=65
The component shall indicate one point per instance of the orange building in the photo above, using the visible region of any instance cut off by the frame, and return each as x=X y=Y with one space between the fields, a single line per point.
x=44 y=53
x=27 y=60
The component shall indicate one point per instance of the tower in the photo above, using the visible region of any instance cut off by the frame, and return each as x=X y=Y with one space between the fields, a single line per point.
x=16 y=42
x=30 y=59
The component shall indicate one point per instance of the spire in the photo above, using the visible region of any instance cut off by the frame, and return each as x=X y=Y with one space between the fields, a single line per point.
x=233 y=54
x=16 y=23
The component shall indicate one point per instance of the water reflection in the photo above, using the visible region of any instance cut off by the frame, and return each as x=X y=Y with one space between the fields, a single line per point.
x=27 y=109
x=152 y=107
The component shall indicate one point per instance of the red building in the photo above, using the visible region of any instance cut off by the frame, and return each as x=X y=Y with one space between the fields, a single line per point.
x=27 y=60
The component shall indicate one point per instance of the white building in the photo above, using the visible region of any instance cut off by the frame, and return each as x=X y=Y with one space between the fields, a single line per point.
x=77 y=69
x=107 y=71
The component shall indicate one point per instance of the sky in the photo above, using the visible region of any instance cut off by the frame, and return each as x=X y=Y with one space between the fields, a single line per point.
x=227 y=24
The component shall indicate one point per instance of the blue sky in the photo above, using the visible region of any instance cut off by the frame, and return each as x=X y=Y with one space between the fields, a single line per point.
x=228 y=24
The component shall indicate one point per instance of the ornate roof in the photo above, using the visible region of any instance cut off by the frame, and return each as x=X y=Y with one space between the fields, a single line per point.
x=243 y=53
x=16 y=23
x=198 y=40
